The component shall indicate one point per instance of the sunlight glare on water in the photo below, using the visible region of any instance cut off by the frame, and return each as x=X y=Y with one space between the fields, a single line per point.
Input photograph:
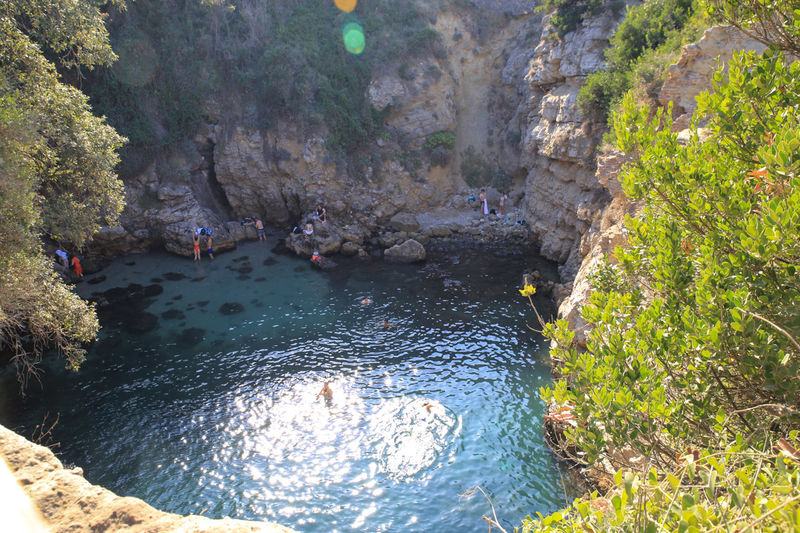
x=201 y=393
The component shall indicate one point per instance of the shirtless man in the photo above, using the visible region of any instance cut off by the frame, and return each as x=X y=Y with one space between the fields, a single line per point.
x=326 y=393
x=262 y=236
x=210 y=248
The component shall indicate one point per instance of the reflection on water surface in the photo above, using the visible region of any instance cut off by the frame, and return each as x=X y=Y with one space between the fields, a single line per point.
x=201 y=394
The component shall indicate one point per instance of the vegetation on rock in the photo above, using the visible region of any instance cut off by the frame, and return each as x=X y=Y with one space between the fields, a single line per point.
x=568 y=14
x=286 y=57
x=689 y=388
x=646 y=41
x=57 y=174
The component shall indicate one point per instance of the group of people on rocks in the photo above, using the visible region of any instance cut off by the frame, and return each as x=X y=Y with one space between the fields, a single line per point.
x=196 y=243
x=485 y=204
x=319 y=214
x=69 y=263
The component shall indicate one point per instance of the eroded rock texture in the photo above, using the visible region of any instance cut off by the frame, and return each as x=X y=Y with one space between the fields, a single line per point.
x=67 y=502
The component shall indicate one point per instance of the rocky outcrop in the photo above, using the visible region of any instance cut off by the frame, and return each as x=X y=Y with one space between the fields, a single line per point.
x=689 y=76
x=506 y=88
x=558 y=142
x=409 y=251
x=65 y=501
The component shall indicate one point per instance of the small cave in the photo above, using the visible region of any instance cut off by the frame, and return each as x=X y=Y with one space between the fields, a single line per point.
x=207 y=190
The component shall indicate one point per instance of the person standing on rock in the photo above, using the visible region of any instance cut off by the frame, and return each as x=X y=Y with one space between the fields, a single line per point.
x=76 y=266
x=210 y=248
x=196 y=246
x=484 y=202
x=262 y=236
x=503 y=198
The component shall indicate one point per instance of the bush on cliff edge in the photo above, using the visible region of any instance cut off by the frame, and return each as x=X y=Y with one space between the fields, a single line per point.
x=693 y=363
x=56 y=175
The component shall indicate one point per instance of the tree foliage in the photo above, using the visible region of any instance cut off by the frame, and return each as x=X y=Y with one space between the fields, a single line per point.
x=693 y=362
x=648 y=34
x=56 y=173
x=568 y=14
x=284 y=59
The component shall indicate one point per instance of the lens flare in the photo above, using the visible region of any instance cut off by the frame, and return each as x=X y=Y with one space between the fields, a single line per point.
x=346 y=5
x=353 y=37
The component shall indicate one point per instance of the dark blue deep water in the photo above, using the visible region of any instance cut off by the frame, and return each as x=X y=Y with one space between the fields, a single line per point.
x=197 y=411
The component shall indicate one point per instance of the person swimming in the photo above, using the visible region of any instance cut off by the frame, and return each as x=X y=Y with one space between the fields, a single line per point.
x=326 y=393
x=366 y=301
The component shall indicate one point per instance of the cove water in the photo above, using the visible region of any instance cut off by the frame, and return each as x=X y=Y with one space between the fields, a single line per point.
x=200 y=412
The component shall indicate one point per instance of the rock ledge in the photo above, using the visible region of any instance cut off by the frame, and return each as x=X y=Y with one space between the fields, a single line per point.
x=68 y=502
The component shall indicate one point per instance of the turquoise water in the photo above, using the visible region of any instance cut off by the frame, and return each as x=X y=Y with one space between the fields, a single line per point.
x=222 y=419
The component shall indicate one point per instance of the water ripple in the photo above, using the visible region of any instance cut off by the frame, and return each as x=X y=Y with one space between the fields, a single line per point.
x=421 y=411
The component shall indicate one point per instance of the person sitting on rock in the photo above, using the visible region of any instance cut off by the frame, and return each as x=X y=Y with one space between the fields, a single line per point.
x=320 y=214
x=315 y=256
x=62 y=258
x=309 y=230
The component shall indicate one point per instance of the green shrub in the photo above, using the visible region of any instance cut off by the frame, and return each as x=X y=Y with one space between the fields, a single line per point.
x=568 y=14
x=445 y=139
x=476 y=171
x=642 y=47
x=693 y=359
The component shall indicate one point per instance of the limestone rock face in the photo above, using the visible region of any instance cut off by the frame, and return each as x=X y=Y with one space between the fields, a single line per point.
x=69 y=503
x=691 y=74
x=506 y=88
x=562 y=196
x=409 y=251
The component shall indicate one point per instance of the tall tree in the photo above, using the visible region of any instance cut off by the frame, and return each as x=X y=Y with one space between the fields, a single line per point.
x=57 y=174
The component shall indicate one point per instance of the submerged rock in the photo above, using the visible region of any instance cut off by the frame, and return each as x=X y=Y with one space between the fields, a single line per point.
x=174 y=276
x=154 y=290
x=173 y=314
x=191 y=336
x=139 y=323
x=231 y=308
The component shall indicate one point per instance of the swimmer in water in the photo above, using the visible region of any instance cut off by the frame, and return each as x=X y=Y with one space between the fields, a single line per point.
x=366 y=301
x=387 y=324
x=326 y=393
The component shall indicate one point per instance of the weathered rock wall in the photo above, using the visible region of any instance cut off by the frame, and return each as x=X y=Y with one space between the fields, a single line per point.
x=507 y=88
x=65 y=501
x=687 y=78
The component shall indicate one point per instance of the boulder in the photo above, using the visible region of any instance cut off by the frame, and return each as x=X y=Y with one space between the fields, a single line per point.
x=350 y=248
x=410 y=251
x=304 y=245
x=404 y=222
x=61 y=499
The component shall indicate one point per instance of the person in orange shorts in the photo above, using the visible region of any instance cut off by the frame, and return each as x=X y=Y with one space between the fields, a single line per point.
x=76 y=266
x=196 y=244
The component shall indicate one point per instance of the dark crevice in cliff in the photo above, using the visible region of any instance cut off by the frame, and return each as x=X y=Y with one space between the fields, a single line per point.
x=207 y=190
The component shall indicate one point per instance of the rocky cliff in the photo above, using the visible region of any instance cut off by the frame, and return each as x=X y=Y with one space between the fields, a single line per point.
x=58 y=499
x=507 y=88
x=687 y=78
